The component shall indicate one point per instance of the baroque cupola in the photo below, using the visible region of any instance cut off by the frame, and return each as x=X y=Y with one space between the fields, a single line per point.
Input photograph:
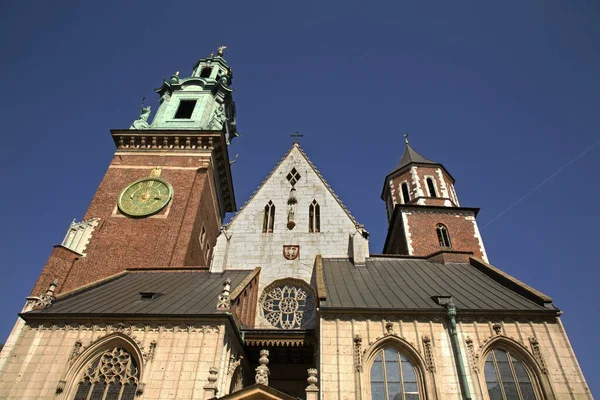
x=424 y=215
x=202 y=101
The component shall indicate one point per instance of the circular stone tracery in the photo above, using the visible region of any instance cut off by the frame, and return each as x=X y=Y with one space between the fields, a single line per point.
x=288 y=304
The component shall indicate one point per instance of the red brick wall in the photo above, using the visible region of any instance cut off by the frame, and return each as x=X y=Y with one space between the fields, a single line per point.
x=169 y=238
x=58 y=266
x=424 y=240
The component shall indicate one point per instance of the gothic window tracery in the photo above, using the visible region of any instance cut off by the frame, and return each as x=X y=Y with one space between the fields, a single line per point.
x=269 y=217
x=114 y=375
x=506 y=377
x=443 y=236
x=314 y=217
x=393 y=377
x=288 y=305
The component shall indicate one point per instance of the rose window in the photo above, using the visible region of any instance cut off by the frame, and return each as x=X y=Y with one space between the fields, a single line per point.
x=288 y=306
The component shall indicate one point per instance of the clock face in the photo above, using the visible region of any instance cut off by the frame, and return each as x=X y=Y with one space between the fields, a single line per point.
x=145 y=196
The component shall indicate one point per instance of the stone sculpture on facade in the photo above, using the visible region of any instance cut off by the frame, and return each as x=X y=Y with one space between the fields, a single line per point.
x=142 y=121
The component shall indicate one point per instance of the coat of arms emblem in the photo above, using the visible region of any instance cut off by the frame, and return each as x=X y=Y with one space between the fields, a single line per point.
x=291 y=252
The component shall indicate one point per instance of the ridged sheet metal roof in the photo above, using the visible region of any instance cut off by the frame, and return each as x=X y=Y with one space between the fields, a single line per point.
x=409 y=284
x=180 y=293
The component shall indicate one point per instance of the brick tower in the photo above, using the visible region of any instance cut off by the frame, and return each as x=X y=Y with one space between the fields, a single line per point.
x=166 y=190
x=424 y=215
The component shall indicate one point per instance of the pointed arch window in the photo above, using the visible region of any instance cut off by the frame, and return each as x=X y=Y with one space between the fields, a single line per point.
x=314 y=217
x=431 y=187
x=393 y=377
x=506 y=377
x=443 y=236
x=269 y=218
x=114 y=375
x=405 y=193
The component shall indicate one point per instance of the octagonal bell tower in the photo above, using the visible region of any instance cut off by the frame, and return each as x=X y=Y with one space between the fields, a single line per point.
x=424 y=215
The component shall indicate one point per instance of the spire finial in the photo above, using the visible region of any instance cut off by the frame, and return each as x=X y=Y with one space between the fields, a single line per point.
x=406 y=138
x=296 y=135
x=220 y=50
x=142 y=106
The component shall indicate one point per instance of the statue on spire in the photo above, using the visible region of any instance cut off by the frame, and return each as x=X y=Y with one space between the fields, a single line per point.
x=220 y=50
x=406 y=138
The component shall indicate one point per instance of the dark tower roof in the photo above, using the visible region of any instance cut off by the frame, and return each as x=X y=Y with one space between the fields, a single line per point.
x=411 y=156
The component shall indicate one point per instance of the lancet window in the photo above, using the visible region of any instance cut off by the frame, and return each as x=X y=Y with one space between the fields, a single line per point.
x=393 y=377
x=405 y=193
x=114 y=375
x=314 y=217
x=506 y=377
x=443 y=236
x=269 y=217
x=431 y=187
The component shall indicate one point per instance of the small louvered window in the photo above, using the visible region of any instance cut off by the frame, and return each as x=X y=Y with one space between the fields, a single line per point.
x=443 y=236
x=314 y=217
x=269 y=217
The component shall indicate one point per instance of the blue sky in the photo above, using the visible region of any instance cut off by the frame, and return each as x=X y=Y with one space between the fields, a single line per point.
x=504 y=94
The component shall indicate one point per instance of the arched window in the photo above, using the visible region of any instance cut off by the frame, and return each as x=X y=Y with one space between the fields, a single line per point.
x=393 y=377
x=269 y=218
x=431 y=187
x=113 y=375
x=443 y=236
x=506 y=377
x=405 y=193
x=314 y=217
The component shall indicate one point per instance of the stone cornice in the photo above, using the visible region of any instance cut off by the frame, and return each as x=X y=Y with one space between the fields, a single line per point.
x=188 y=141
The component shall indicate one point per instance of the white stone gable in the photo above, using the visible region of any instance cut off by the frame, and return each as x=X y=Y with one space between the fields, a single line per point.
x=244 y=245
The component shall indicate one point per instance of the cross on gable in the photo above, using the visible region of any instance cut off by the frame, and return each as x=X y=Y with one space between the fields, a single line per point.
x=296 y=135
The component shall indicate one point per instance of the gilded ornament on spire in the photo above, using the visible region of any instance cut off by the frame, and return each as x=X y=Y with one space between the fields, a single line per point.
x=220 y=50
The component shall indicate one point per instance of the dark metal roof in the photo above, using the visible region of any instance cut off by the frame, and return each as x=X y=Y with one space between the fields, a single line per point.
x=177 y=293
x=409 y=284
x=411 y=156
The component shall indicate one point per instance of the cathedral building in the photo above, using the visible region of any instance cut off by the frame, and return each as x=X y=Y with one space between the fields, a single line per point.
x=152 y=296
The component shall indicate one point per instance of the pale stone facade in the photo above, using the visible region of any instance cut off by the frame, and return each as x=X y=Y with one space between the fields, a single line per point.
x=174 y=360
x=347 y=345
x=243 y=245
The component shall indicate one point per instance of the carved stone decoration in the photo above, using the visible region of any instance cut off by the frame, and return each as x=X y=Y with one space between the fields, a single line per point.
x=312 y=378
x=535 y=348
x=473 y=357
x=358 y=353
x=291 y=251
x=389 y=328
x=288 y=304
x=497 y=328
x=427 y=349
x=140 y=388
x=76 y=350
x=210 y=389
x=224 y=302
x=46 y=299
x=292 y=201
x=262 y=371
x=61 y=386
x=151 y=351
x=233 y=364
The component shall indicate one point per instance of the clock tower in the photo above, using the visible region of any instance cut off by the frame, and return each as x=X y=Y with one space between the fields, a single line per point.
x=166 y=190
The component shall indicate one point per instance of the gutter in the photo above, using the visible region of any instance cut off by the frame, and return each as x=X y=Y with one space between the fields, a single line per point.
x=446 y=302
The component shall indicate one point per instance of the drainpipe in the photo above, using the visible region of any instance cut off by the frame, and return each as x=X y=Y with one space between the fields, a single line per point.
x=462 y=371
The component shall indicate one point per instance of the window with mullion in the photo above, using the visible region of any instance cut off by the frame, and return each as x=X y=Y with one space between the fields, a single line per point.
x=393 y=377
x=506 y=377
